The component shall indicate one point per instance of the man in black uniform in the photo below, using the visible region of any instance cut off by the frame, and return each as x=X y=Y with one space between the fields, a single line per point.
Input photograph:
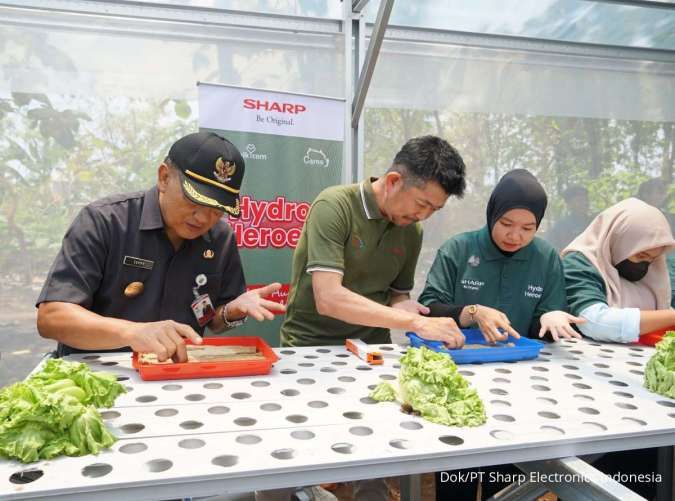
x=144 y=270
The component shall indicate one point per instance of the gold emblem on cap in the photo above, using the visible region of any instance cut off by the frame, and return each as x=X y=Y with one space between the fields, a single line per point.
x=134 y=289
x=224 y=170
x=208 y=254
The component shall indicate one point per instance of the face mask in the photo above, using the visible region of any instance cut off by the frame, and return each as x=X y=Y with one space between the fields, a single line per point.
x=632 y=271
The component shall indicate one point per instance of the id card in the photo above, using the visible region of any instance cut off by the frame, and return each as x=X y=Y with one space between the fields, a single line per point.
x=203 y=309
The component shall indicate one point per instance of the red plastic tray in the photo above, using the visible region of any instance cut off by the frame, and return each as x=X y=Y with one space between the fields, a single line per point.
x=651 y=338
x=192 y=370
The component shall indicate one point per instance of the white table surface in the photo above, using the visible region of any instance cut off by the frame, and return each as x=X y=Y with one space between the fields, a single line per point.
x=310 y=421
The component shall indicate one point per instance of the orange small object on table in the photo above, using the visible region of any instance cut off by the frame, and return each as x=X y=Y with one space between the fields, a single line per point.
x=651 y=338
x=363 y=351
x=220 y=368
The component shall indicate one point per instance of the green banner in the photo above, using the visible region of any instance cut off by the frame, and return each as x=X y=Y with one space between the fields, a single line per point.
x=292 y=146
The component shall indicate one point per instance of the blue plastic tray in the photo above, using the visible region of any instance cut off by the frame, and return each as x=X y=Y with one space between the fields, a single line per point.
x=523 y=349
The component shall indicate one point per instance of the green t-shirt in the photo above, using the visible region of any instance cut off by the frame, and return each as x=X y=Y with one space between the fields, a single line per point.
x=583 y=282
x=346 y=233
x=470 y=269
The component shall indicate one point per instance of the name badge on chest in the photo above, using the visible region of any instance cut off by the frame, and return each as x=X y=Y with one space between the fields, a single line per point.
x=138 y=262
x=202 y=307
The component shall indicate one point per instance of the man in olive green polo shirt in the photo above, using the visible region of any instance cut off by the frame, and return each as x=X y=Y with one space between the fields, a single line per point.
x=354 y=265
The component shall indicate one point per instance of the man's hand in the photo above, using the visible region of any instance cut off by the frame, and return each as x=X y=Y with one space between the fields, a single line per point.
x=164 y=339
x=442 y=329
x=558 y=324
x=254 y=304
x=411 y=306
x=489 y=320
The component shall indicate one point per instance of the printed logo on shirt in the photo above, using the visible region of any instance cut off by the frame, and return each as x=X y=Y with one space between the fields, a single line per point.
x=398 y=251
x=534 y=291
x=472 y=285
x=357 y=242
x=474 y=261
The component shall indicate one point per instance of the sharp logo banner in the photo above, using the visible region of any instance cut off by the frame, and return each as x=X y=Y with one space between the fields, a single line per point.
x=292 y=146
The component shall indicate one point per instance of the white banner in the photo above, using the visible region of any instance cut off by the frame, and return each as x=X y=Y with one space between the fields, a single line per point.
x=266 y=112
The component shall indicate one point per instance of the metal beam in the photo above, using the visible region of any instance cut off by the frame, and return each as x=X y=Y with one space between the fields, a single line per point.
x=188 y=15
x=526 y=44
x=651 y=4
x=366 y=75
x=359 y=5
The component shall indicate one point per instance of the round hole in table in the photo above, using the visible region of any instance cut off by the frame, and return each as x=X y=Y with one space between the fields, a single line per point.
x=504 y=417
x=594 y=426
x=218 y=409
x=634 y=420
x=248 y=439
x=225 y=460
x=626 y=405
x=96 y=470
x=552 y=430
x=191 y=443
x=361 y=431
x=191 y=425
x=302 y=434
x=400 y=443
x=583 y=397
x=133 y=448
x=158 y=465
x=296 y=418
x=131 y=428
x=500 y=403
x=343 y=448
x=26 y=476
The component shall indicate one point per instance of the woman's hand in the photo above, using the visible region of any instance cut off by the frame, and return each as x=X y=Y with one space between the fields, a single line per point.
x=490 y=320
x=558 y=323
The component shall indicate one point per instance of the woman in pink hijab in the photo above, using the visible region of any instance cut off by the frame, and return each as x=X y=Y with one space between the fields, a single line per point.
x=616 y=275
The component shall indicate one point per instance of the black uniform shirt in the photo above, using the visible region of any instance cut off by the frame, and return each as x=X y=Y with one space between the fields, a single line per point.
x=119 y=240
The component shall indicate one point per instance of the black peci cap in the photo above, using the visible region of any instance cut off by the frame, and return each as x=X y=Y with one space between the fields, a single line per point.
x=211 y=170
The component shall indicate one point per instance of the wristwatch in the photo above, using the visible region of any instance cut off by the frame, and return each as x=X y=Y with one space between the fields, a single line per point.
x=472 y=309
x=230 y=324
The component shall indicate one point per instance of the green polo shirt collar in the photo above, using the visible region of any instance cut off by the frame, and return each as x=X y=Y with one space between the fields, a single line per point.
x=368 y=201
x=492 y=253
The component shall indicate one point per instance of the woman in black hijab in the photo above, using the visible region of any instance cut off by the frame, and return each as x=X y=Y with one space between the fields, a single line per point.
x=502 y=278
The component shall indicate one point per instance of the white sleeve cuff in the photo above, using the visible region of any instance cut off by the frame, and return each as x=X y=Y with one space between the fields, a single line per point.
x=324 y=268
x=618 y=325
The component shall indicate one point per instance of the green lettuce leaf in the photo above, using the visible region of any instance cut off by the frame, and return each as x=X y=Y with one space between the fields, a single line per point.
x=430 y=385
x=383 y=392
x=660 y=369
x=53 y=412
